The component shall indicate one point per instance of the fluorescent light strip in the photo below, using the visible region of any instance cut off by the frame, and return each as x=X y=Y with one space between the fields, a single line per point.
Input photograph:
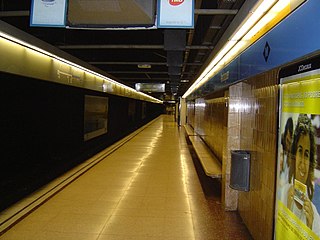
x=274 y=11
x=239 y=41
x=72 y=64
x=253 y=18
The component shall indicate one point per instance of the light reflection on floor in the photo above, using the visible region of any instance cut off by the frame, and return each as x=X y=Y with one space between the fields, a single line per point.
x=147 y=189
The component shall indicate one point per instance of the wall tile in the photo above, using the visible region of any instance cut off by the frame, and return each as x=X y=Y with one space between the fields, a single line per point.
x=249 y=122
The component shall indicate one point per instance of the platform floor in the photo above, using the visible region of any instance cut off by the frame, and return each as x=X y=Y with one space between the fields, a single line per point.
x=147 y=189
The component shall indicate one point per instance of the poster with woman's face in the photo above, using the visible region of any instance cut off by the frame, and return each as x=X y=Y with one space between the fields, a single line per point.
x=298 y=163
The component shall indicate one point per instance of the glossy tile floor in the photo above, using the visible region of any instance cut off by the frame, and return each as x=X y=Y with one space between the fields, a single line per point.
x=147 y=189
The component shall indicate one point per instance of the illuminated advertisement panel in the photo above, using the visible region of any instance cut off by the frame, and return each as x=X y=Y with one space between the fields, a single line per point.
x=298 y=161
x=150 y=87
x=48 y=13
x=175 y=14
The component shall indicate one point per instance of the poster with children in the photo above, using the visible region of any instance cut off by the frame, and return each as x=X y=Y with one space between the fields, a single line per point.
x=298 y=163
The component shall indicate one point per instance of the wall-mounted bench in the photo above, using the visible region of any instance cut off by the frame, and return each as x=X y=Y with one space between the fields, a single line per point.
x=210 y=164
x=189 y=130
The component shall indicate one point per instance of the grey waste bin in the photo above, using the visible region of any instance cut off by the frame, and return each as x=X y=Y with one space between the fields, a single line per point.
x=240 y=170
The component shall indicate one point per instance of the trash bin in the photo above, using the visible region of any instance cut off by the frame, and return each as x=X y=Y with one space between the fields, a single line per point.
x=240 y=170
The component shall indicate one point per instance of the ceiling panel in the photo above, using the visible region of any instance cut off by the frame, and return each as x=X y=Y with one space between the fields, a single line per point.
x=119 y=52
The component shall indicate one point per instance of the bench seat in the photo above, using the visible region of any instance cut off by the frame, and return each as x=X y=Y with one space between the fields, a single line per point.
x=189 y=130
x=211 y=165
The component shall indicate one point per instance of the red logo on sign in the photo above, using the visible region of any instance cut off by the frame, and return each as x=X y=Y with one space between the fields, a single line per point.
x=175 y=2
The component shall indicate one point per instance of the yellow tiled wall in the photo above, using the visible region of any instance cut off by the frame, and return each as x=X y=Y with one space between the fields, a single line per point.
x=258 y=133
x=210 y=122
x=190 y=113
x=244 y=117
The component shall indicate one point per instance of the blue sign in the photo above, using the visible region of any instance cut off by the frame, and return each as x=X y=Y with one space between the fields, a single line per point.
x=294 y=37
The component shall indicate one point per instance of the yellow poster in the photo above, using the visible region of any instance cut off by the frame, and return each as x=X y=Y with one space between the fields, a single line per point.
x=302 y=96
x=298 y=172
x=290 y=227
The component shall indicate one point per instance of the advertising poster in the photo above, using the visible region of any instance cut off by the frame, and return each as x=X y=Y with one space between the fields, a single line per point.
x=95 y=116
x=48 y=13
x=175 y=14
x=298 y=178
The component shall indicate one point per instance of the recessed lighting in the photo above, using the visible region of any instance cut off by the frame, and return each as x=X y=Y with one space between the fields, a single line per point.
x=144 y=66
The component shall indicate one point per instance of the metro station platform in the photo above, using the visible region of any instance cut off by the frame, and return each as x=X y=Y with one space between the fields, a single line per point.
x=148 y=188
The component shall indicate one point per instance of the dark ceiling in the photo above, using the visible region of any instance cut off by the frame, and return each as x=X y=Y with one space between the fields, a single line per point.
x=176 y=56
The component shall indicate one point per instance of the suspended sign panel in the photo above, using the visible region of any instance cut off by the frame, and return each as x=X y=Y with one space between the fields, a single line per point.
x=48 y=13
x=111 y=14
x=175 y=14
x=298 y=163
x=150 y=87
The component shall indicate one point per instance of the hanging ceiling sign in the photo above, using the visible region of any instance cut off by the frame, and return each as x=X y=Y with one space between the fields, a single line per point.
x=150 y=87
x=48 y=13
x=175 y=14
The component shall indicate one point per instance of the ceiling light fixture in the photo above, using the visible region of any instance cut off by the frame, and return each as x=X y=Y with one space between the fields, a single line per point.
x=12 y=39
x=144 y=66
